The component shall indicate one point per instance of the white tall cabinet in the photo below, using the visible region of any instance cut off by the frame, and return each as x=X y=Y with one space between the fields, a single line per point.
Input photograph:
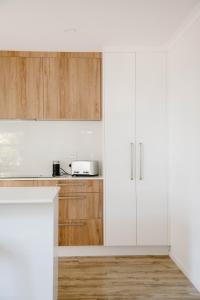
x=135 y=149
x=120 y=198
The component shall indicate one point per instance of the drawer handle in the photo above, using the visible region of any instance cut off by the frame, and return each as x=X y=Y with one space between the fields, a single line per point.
x=72 y=197
x=70 y=184
x=73 y=224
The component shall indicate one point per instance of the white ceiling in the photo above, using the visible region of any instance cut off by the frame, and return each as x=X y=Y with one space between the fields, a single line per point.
x=89 y=25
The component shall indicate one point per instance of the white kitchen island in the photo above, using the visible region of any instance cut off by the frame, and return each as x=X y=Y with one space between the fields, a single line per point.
x=28 y=241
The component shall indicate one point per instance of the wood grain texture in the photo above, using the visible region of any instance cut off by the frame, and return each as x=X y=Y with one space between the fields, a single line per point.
x=18 y=183
x=79 y=186
x=46 y=182
x=21 y=88
x=50 y=54
x=72 y=88
x=80 y=206
x=81 y=233
x=84 y=100
x=50 y=85
x=52 y=88
x=123 y=278
x=80 y=212
x=8 y=87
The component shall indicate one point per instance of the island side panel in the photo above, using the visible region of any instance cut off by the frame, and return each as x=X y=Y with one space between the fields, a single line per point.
x=28 y=257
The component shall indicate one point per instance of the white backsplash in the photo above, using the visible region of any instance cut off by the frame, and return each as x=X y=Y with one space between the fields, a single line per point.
x=29 y=147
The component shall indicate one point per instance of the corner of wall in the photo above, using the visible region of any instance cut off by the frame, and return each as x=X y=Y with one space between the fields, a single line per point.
x=187 y=23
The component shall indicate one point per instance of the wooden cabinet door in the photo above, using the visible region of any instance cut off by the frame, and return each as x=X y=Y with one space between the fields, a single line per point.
x=84 y=89
x=72 y=88
x=21 y=88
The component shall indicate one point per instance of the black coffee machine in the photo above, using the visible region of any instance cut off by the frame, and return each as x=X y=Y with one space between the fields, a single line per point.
x=56 y=168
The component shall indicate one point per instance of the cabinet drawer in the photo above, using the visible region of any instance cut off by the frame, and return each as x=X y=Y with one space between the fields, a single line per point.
x=80 y=206
x=79 y=186
x=81 y=232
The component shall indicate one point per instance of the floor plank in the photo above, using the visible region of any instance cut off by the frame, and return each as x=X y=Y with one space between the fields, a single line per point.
x=123 y=278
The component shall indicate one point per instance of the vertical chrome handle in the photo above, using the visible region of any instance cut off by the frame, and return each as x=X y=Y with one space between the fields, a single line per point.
x=132 y=160
x=141 y=161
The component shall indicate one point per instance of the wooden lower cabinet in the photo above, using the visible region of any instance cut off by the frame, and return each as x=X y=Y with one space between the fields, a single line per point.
x=80 y=219
x=80 y=212
x=81 y=232
x=80 y=209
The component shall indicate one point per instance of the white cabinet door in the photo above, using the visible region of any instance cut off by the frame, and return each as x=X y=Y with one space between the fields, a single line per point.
x=151 y=142
x=119 y=111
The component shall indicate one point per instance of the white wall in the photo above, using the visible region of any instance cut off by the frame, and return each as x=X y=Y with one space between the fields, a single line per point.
x=29 y=147
x=184 y=171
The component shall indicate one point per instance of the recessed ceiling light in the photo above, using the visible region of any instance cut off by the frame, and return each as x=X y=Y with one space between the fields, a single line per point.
x=70 y=30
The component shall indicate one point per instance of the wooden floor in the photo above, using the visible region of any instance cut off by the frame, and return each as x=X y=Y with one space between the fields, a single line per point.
x=123 y=278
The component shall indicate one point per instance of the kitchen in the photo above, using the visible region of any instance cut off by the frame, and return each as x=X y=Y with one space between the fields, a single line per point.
x=95 y=121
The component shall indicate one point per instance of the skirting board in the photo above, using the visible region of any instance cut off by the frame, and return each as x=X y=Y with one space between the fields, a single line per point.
x=112 y=251
x=185 y=272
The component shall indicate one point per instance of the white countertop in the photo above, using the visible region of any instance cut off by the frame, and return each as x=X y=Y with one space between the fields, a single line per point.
x=22 y=195
x=43 y=177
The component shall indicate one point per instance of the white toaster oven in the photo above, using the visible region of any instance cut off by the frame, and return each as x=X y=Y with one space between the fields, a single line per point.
x=85 y=168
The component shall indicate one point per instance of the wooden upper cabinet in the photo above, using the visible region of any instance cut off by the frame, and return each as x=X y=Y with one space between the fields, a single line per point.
x=72 y=88
x=21 y=88
x=50 y=85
